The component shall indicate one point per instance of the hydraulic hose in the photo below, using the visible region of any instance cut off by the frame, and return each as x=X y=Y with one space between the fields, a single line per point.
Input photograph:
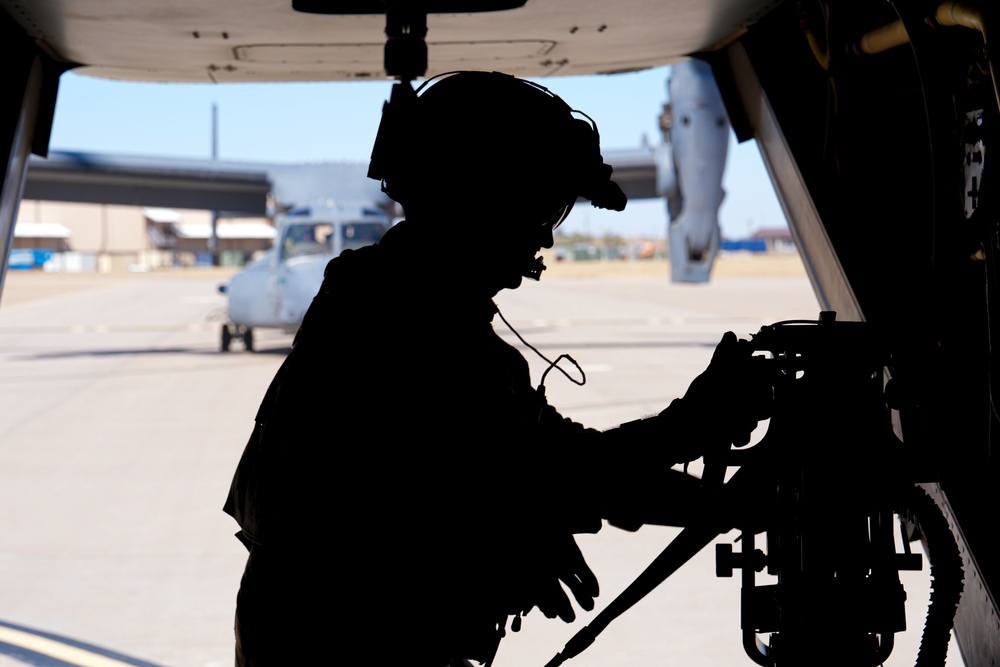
x=946 y=571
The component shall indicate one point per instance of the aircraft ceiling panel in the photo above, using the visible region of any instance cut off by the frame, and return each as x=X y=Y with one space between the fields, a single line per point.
x=196 y=41
x=352 y=61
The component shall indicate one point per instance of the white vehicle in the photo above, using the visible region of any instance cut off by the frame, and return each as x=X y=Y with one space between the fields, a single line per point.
x=275 y=290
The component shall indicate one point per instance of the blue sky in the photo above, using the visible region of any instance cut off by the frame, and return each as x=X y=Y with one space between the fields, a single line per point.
x=317 y=122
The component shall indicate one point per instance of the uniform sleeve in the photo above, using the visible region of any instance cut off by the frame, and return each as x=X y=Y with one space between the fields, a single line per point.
x=624 y=475
x=642 y=484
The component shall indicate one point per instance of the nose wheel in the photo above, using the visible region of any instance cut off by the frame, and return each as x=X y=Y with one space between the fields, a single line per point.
x=239 y=332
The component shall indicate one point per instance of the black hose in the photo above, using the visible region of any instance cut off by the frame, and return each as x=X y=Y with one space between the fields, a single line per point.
x=946 y=571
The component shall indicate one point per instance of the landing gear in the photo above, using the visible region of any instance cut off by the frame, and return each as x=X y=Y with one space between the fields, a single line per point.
x=231 y=331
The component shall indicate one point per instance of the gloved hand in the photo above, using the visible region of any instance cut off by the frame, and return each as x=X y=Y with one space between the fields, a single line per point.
x=723 y=405
x=721 y=408
x=537 y=577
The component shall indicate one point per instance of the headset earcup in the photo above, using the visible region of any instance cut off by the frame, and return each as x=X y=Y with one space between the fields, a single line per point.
x=395 y=135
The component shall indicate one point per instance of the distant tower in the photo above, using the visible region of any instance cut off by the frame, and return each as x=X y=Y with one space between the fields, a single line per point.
x=689 y=167
x=213 y=238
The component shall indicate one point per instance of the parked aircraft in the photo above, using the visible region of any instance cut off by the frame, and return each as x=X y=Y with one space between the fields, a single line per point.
x=873 y=121
x=689 y=167
x=335 y=201
x=275 y=290
x=269 y=293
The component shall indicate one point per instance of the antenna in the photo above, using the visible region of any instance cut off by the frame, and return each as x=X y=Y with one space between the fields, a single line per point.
x=213 y=239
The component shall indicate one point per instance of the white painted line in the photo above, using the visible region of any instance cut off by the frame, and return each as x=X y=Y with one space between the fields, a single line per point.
x=60 y=651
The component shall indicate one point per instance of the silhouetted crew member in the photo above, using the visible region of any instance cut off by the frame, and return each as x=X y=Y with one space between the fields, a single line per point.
x=406 y=491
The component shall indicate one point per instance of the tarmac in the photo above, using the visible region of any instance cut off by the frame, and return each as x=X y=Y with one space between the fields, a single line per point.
x=122 y=422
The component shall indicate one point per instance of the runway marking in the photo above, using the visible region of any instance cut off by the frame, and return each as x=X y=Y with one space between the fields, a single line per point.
x=48 y=650
x=653 y=321
x=110 y=328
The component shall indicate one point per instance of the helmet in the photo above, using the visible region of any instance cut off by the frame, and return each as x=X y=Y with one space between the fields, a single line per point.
x=468 y=137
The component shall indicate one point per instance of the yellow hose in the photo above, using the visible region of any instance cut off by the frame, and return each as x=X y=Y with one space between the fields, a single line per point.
x=956 y=13
x=884 y=38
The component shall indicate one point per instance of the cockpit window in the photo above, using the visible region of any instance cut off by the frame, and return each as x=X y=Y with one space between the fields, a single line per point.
x=316 y=238
x=359 y=234
x=307 y=239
